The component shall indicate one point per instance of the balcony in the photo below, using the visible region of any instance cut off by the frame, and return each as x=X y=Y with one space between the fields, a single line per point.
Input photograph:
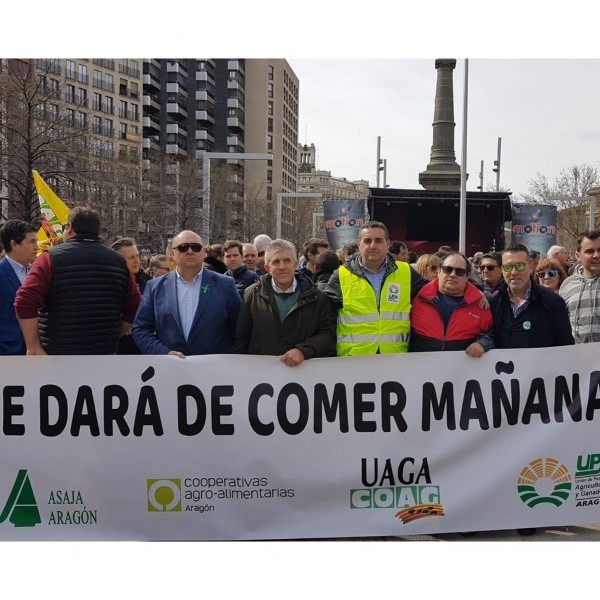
x=132 y=137
x=203 y=134
x=232 y=140
x=150 y=123
x=175 y=107
x=176 y=88
x=176 y=129
x=152 y=141
x=151 y=80
x=151 y=101
x=235 y=65
x=235 y=123
x=175 y=149
x=176 y=67
x=205 y=76
x=204 y=116
x=232 y=84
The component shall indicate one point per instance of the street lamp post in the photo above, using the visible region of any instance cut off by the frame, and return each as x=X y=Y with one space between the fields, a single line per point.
x=207 y=157
x=282 y=195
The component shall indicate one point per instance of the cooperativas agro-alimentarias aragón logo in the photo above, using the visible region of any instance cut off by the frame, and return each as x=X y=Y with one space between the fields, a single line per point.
x=164 y=495
x=544 y=481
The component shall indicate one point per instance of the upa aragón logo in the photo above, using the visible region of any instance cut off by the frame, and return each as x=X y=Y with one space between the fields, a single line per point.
x=544 y=481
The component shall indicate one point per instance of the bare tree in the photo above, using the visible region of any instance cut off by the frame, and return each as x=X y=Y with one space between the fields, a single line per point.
x=568 y=193
x=37 y=133
x=172 y=198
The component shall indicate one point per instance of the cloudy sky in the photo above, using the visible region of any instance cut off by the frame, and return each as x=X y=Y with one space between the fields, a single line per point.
x=546 y=112
x=370 y=72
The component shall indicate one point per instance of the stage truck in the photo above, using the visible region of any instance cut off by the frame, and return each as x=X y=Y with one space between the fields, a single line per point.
x=428 y=219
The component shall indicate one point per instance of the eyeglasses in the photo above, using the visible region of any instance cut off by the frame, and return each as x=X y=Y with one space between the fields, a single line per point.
x=183 y=248
x=488 y=267
x=520 y=267
x=550 y=273
x=459 y=272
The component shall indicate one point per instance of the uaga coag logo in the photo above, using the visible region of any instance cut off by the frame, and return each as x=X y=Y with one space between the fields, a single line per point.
x=544 y=481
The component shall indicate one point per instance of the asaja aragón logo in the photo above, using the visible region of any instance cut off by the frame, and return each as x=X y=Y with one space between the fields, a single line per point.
x=164 y=495
x=544 y=481
x=21 y=508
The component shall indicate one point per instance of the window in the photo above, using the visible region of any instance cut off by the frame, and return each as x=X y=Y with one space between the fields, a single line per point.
x=109 y=105
x=96 y=147
x=135 y=114
x=108 y=127
x=134 y=130
x=97 y=104
x=109 y=149
x=82 y=97
x=270 y=90
x=134 y=90
x=123 y=131
x=271 y=72
x=123 y=87
x=269 y=142
x=71 y=69
x=70 y=94
x=270 y=107
x=71 y=117
x=82 y=74
x=97 y=81
x=52 y=110
x=270 y=126
x=232 y=74
x=110 y=82
x=97 y=125
x=123 y=109
x=269 y=176
x=54 y=87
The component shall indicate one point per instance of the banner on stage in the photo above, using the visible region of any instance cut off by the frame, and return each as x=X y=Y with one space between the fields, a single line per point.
x=243 y=447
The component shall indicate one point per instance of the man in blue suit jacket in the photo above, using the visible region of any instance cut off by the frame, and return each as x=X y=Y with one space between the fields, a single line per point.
x=190 y=310
x=19 y=239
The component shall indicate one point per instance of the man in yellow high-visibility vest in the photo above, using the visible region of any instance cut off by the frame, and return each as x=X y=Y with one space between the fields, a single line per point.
x=372 y=293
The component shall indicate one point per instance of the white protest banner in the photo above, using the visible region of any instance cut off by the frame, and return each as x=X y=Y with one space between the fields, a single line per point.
x=243 y=447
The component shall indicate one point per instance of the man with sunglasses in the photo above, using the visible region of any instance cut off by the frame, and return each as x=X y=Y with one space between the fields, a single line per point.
x=190 y=310
x=490 y=271
x=526 y=314
x=445 y=314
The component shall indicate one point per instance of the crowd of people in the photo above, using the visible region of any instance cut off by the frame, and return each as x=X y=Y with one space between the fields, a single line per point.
x=261 y=297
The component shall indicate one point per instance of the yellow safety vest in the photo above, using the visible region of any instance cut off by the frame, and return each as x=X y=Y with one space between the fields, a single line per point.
x=362 y=328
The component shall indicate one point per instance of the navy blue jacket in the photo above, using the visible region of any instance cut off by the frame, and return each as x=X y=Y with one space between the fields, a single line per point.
x=543 y=324
x=157 y=327
x=11 y=337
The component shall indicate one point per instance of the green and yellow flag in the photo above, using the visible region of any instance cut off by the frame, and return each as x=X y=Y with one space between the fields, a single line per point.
x=55 y=214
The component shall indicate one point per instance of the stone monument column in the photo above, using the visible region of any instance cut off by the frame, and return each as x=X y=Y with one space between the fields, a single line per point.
x=443 y=172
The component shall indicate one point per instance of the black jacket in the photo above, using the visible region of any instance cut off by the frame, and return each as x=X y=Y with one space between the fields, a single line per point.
x=243 y=277
x=544 y=323
x=309 y=326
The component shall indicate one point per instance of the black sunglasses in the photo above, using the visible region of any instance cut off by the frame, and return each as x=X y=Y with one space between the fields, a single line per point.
x=183 y=248
x=459 y=272
x=488 y=267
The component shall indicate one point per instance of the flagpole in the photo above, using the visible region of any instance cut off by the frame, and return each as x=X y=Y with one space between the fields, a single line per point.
x=462 y=232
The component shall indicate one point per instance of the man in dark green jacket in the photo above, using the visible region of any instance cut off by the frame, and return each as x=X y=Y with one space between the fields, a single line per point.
x=284 y=314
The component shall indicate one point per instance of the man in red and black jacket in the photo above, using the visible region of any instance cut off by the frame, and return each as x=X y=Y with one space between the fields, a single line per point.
x=445 y=314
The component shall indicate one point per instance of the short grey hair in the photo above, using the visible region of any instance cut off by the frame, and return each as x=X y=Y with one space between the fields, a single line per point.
x=277 y=246
x=554 y=250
